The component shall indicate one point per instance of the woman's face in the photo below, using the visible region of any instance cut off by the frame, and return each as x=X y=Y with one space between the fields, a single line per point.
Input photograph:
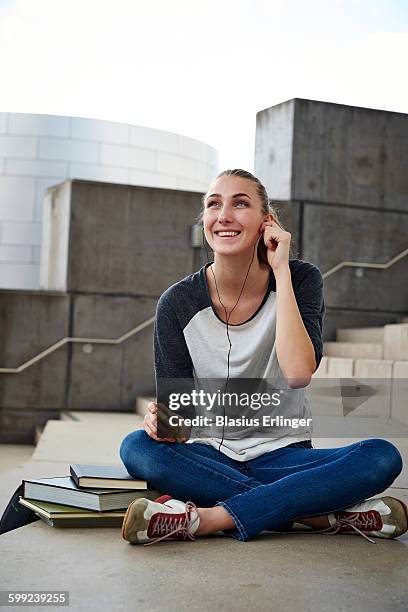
x=232 y=215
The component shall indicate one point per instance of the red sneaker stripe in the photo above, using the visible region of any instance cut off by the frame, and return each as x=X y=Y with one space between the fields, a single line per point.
x=163 y=498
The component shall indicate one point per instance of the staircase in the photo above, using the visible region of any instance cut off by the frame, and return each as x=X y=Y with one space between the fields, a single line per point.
x=377 y=359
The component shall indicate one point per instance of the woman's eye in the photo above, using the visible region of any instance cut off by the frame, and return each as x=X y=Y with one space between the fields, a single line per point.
x=241 y=202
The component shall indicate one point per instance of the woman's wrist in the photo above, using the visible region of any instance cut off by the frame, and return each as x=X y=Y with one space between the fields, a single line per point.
x=282 y=273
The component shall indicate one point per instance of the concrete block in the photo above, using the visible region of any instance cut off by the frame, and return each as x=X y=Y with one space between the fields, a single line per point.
x=15 y=253
x=127 y=157
x=373 y=368
x=36 y=168
x=355 y=350
x=109 y=377
x=38 y=125
x=113 y=236
x=100 y=131
x=189 y=184
x=30 y=323
x=16 y=198
x=41 y=186
x=81 y=443
x=18 y=146
x=340 y=154
x=21 y=233
x=3 y=122
x=152 y=179
x=68 y=150
x=396 y=342
x=340 y=318
x=362 y=334
x=102 y=419
x=376 y=374
x=340 y=367
x=191 y=148
x=176 y=165
x=9 y=211
x=19 y=426
x=274 y=149
x=55 y=239
x=158 y=140
x=18 y=275
x=334 y=234
x=36 y=254
x=399 y=403
x=92 y=172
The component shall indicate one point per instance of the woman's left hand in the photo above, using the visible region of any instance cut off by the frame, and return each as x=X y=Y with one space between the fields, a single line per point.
x=277 y=242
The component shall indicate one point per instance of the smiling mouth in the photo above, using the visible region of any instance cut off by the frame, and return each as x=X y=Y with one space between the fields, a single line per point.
x=227 y=235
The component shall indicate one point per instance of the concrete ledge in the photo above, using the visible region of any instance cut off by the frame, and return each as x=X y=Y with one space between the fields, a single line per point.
x=360 y=334
x=340 y=367
x=396 y=342
x=89 y=442
x=355 y=350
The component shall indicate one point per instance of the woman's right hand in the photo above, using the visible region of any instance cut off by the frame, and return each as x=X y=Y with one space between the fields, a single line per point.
x=150 y=425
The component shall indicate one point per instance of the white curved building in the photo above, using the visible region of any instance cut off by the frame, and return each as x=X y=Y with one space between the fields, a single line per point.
x=37 y=151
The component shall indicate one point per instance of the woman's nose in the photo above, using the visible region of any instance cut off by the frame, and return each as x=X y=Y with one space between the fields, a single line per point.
x=224 y=214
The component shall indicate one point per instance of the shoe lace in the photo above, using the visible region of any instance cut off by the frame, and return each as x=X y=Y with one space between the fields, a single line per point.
x=356 y=521
x=176 y=525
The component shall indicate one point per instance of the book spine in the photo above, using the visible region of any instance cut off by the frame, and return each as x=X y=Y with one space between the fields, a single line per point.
x=74 y=476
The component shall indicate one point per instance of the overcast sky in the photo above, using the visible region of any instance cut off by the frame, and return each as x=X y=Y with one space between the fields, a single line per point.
x=202 y=68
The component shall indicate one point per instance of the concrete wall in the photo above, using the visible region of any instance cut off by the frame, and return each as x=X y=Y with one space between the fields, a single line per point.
x=38 y=151
x=346 y=189
x=30 y=322
x=124 y=246
x=121 y=239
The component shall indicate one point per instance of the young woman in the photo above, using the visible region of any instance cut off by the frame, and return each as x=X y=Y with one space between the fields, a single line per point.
x=259 y=314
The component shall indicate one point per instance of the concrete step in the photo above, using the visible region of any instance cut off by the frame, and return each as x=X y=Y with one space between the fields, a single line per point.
x=396 y=342
x=91 y=417
x=399 y=408
x=360 y=334
x=354 y=350
x=340 y=367
x=142 y=403
x=95 y=441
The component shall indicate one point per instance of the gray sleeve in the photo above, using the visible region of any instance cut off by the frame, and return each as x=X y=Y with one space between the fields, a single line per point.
x=309 y=297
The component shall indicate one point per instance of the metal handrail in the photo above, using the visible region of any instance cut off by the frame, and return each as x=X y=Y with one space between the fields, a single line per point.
x=57 y=345
x=148 y=322
x=361 y=264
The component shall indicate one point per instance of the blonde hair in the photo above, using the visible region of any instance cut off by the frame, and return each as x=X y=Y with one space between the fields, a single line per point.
x=266 y=207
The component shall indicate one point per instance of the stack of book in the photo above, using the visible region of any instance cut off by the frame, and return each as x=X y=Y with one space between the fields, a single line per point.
x=92 y=496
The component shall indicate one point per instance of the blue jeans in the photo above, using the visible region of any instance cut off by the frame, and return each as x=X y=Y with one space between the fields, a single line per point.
x=271 y=491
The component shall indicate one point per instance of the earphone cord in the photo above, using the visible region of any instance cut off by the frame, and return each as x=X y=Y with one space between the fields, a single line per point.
x=228 y=318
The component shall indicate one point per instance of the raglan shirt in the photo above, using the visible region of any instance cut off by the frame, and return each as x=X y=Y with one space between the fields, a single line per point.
x=190 y=342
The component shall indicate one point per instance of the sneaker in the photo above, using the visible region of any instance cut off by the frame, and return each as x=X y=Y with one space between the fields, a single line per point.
x=147 y=522
x=381 y=517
